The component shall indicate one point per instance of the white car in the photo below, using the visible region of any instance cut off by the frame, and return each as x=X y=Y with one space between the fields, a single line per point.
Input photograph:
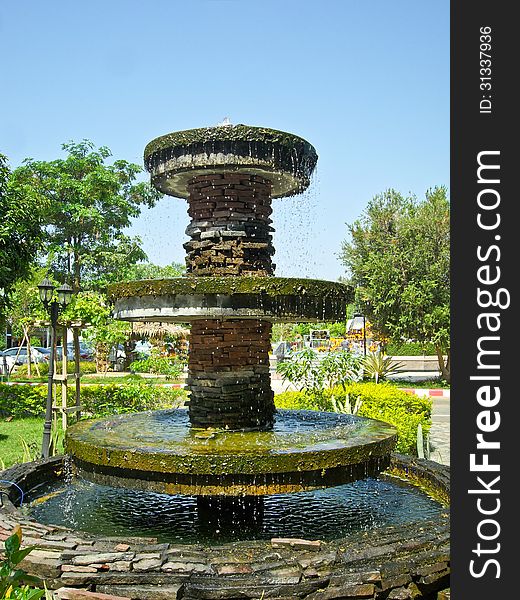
x=18 y=356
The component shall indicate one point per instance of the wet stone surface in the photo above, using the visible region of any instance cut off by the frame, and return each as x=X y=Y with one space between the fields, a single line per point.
x=406 y=561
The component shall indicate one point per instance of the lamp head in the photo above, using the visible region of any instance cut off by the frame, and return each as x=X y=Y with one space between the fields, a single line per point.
x=64 y=294
x=46 y=290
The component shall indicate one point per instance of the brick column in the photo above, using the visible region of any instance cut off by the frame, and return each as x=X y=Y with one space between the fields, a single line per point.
x=230 y=229
x=229 y=381
x=229 y=376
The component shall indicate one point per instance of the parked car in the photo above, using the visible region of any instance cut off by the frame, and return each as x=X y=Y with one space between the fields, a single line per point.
x=85 y=352
x=18 y=356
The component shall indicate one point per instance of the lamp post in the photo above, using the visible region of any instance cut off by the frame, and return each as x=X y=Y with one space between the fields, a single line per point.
x=359 y=315
x=53 y=308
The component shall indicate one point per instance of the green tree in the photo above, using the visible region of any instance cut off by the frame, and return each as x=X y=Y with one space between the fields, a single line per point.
x=26 y=304
x=20 y=232
x=150 y=271
x=398 y=257
x=88 y=205
x=102 y=330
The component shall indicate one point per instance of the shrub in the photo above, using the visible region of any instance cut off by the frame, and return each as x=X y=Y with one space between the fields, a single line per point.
x=302 y=401
x=378 y=401
x=379 y=366
x=84 y=367
x=13 y=580
x=159 y=365
x=410 y=349
x=97 y=400
x=22 y=400
x=105 y=400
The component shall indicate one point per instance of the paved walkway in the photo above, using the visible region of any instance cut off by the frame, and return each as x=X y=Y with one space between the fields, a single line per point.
x=440 y=431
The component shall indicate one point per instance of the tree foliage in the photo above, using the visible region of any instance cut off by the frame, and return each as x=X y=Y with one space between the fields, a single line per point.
x=148 y=270
x=20 y=231
x=88 y=205
x=398 y=256
x=93 y=309
x=25 y=300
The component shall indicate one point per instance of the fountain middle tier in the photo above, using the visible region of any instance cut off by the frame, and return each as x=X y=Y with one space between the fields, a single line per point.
x=158 y=451
x=187 y=299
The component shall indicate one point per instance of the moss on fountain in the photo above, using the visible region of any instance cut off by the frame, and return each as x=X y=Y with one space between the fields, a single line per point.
x=272 y=286
x=236 y=133
x=285 y=159
x=305 y=450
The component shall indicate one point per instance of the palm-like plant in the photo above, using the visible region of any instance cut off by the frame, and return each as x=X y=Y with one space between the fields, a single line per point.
x=379 y=366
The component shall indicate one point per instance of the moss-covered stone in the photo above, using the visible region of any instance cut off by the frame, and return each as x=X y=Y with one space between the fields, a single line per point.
x=236 y=133
x=286 y=160
x=307 y=450
x=270 y=286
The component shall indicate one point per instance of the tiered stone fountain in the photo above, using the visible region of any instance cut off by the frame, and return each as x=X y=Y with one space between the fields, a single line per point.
x=231 y=449
x=235 y=442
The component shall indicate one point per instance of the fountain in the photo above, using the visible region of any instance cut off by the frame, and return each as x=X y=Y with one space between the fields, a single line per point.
x=246 y=470
x=232 y=441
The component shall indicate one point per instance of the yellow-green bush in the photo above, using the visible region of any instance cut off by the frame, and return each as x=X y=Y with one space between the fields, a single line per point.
x=379 y=401
x=104 y=400
x=85 y=366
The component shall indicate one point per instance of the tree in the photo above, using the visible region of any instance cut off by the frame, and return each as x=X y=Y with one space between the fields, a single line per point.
x=93 y=309
x=20 y=232
x=88 y=205
x=150 y=271
x=398 y=257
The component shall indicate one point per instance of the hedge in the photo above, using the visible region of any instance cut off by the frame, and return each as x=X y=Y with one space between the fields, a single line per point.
x=105 y=400
x=21 y=401
x=85 y=366
x=410 y=349
x=379 y=401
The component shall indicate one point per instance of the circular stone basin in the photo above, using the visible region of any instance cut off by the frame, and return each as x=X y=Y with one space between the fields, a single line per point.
x=320 y=514
x=286 y=159
x=158 y=451
x=185 y=299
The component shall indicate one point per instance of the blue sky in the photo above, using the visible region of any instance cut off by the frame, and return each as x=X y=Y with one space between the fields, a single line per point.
x=366 y=82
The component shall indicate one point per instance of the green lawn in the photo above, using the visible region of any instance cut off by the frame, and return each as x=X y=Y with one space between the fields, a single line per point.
x=428 y=384
x=21 y=440
x=12 y=448
x=94 y=378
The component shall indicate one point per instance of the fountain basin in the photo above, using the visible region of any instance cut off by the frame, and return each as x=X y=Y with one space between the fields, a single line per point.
x=285 y=159
x=185 y=299
x=158 y=451
x=398 y=560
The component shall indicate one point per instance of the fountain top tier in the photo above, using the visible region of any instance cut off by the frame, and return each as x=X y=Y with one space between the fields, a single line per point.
x=285 y=159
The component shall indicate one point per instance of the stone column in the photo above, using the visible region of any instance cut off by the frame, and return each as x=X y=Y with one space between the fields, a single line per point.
x=230 y=229
x=229 y=376
x=230 y=232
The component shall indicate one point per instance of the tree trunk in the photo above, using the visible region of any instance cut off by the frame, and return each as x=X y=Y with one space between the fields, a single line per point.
x=129 y=346
x=444 y=366
x=102 y=352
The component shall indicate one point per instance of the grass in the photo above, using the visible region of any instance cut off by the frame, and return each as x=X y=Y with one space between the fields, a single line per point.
x=427 y=384
x=12 y=450
x=96 y=378
x=21 y=440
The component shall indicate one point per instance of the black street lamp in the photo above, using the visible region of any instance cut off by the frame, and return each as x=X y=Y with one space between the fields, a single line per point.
x=53 y=307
